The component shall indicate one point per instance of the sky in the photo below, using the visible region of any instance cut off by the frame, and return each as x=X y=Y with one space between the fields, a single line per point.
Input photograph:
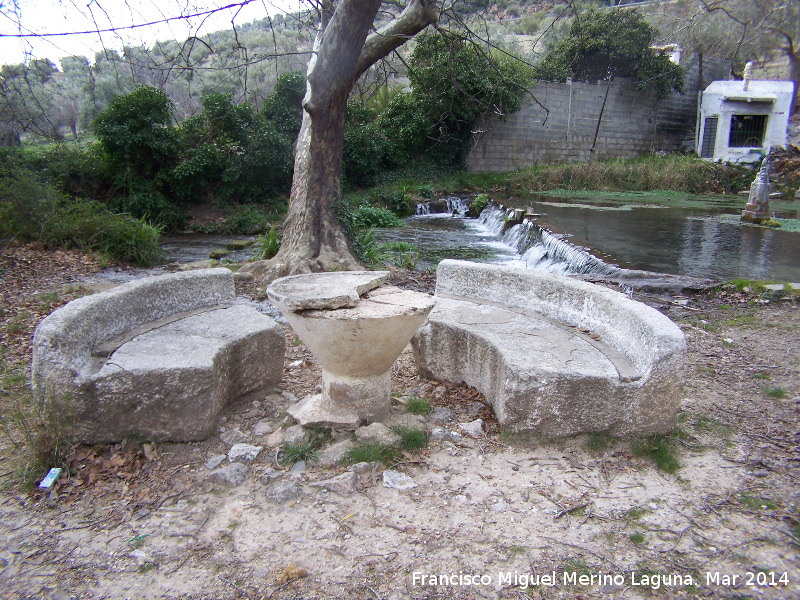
x=70 y=16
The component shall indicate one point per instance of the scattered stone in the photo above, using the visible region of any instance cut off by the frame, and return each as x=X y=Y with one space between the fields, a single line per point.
x=234 y=436
x=243 y=276
x=218 y=253
x=215 y=461
x=142 y=512
x=140 y=557
x=269 y=475
x=499 y=505
x=296 y=434
x=292 y=571
x=284 y=492
x=262 y=428
x=335 y=453
x=439 y=434
x=231 y=475
x=243 y=453
x=443 y=415
x=361 y=468
x=60 y=594
x=298 y=467
x=397 y=480
x=344 y=484
x=239 y=245
x=378 y=433
x=775 y=287
x=474 y=409
x=473 y=428
x=276 y=438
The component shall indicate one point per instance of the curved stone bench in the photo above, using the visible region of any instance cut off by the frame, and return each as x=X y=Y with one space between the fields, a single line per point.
x=156 y=358
x=553 y=355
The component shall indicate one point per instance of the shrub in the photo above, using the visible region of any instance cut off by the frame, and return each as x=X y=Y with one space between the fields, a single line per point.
x=373 y=453
x=135 y=131
x=31 y=211
x=363 y=154
x=658 y=448
x=269 y=244
x=374 y=216
x=413 y=439
x=247 y=220
x=477 y=205
x=418 y=406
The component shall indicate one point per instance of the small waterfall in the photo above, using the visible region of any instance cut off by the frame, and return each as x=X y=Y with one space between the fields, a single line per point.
x=456 y=206
x=539 y=248
x=453 y=206
x=423 y=208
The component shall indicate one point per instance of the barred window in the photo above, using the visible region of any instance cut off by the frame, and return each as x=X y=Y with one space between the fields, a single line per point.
x=747 y=131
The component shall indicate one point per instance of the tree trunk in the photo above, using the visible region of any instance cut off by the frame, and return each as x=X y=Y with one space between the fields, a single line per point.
x=313 y=237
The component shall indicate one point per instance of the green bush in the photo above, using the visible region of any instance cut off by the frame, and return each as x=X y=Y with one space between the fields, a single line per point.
x=375 y=216
x=135 y=131
x=269 y=244
x=247 y=220
x=363 y=154
x=231 y=153
x=284 y=107
x=477 y=205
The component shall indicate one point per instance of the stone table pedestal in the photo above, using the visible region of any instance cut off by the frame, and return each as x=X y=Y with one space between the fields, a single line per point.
x=356 y=327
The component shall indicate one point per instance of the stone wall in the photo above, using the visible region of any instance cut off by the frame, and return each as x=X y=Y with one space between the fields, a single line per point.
x=573 y=121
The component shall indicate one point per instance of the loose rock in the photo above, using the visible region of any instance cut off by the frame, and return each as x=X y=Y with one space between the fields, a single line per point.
x=360 y=468
x=473 y=428
x=344 y=484
x=276 y=438
x=377 y=433
x=296 y=434
x=397 y=480
x=443 y=415
x=215 y=461
x=231 y=475
x=335 y=453
x=234 y=436
x=263 y=427
x=284 y=491
x=243 y=453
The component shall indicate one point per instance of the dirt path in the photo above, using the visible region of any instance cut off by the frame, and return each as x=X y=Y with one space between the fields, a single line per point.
x=491 y=514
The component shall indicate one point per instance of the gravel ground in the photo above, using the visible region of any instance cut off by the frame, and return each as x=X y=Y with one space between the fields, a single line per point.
x=143 y=521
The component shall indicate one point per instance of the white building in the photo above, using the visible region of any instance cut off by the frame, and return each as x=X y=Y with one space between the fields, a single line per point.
x=739 y=121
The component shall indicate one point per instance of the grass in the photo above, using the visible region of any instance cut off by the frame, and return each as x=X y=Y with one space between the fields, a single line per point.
x=636 y=538
x=268 y=245
x=37 y=428
x=755 y=502
x=760 y=376
x=413 y=439
x=599 y=442
x=746 y=320
x=373 y=453
x=776 y=392
x=659 y=449
x=306 y=450
x=418 y=406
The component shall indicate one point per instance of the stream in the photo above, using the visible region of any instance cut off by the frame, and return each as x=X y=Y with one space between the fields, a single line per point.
x=568 y=236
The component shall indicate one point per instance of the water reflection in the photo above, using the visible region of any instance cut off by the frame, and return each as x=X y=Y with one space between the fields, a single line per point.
x=694 y=241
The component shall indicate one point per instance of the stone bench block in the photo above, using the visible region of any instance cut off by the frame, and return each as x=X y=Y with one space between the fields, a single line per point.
x=156 y=358
x=516 y=336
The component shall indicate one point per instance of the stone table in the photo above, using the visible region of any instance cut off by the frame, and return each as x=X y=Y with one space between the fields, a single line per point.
x=356 y=327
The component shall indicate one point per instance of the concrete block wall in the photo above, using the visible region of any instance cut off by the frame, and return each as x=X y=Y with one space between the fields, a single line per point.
x=560 y=123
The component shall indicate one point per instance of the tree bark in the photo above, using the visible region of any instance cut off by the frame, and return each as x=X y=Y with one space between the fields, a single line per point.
x=313 y=237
